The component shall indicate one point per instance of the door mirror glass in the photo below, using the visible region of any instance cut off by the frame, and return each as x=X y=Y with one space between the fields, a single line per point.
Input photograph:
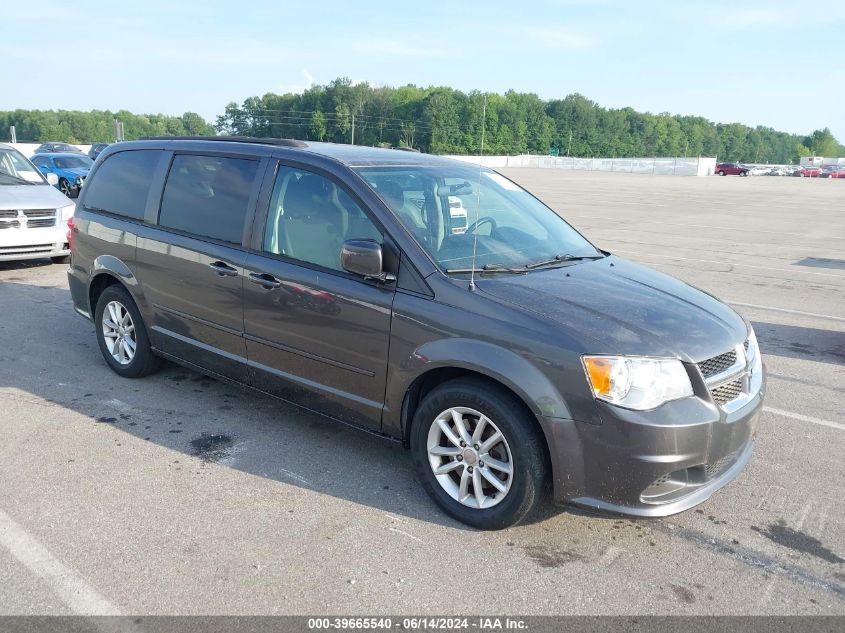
x=363 y=257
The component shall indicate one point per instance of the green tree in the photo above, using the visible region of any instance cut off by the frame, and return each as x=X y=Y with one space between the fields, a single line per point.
x=318 y=126
x=822 y=143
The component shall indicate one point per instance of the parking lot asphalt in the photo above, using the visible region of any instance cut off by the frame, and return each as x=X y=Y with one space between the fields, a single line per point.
x=177 y=494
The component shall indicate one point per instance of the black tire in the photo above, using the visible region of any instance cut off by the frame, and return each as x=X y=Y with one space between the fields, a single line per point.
x=61 y=259
x=64 y=187
x=527 y=447
x=721 y=172
x=743 y=173
x=144 y=361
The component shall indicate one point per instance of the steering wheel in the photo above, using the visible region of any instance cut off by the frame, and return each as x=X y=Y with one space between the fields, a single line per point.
x=481 y=221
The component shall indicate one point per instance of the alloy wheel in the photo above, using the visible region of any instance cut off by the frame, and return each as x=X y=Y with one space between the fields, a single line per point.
x=470 y=457
x=119 y=332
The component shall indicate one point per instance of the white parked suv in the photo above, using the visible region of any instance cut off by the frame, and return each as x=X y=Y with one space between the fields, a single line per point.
x=459 y=215
x=33 y=213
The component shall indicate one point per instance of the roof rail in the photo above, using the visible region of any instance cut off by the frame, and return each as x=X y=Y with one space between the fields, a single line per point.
x=282 y=142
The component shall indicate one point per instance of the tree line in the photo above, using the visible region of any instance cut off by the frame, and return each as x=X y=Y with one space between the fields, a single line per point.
x=443 y=120
x=97 y=126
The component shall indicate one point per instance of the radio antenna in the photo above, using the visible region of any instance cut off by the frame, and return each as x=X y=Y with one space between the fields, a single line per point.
x=478 y=196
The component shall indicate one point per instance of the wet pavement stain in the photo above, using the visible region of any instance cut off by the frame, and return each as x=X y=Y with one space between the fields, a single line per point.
x=683 y=594
x=212 y=446
x=105 y=420
x=798 y=541
x=549 y=556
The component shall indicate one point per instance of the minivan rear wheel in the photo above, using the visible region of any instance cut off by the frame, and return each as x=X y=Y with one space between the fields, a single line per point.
x=122 y=336
x=478 y=454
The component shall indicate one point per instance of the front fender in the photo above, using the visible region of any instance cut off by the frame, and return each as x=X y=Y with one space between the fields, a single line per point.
x=509 y=368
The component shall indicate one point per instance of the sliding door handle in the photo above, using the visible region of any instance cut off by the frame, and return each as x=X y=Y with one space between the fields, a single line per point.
x=223 y=269
x=265 y=279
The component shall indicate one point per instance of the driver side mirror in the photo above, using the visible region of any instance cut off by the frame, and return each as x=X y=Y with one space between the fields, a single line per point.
x=365 y=258
x=52 y=178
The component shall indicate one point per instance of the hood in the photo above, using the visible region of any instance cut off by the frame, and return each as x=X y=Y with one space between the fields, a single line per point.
x=76 y=171
x=617 y=307
x=32 y=197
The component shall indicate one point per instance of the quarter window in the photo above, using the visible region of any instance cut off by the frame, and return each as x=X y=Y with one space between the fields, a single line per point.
x=310 y=217
x=208 y=196
x=122 y=182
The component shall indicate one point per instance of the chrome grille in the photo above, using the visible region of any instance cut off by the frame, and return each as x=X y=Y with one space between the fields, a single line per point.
x=727 y=392
x=717 y=364
x=27 y=218
x=41 y=223
x=39 y=218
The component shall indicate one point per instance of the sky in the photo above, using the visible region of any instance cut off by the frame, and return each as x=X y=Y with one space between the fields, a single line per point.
x=774 y=63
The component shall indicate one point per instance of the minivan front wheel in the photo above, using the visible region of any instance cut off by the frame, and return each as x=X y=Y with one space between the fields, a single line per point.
x=122 y=336
x=478 y=454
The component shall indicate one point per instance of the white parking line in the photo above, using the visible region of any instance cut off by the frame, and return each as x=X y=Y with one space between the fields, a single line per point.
x=73 y=590
x=805 y=418
x=786 y=310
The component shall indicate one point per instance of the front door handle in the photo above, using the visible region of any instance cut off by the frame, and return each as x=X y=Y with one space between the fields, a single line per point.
x=265 y=279
x=223 y=269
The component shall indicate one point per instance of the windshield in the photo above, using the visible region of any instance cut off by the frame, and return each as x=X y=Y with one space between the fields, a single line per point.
x=73 y=162
x=15 y=169
x=446 y=208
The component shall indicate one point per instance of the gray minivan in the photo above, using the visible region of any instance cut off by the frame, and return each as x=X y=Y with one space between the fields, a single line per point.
x=510 y=357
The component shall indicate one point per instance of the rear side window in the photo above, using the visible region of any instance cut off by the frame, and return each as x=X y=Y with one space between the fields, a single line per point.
x=208 y=196
x=122 y=182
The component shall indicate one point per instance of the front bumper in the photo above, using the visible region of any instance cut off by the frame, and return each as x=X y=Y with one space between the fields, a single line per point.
x=40 y=250
x=653 y=463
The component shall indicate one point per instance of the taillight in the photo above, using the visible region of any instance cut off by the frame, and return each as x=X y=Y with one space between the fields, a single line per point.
x=69 y=237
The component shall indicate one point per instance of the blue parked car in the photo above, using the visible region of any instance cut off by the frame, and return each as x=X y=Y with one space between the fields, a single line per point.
x=70 y=169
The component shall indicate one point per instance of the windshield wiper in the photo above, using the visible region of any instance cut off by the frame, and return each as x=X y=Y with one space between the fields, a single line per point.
x=558 y=259
x=489 y=268
x=17 y=179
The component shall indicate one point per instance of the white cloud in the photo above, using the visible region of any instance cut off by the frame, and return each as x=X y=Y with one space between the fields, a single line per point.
x=399 y=48
x=296 y=88
x=767 y=16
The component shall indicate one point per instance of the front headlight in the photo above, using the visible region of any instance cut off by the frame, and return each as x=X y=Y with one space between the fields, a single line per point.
x=66 y=212
x=637 y=382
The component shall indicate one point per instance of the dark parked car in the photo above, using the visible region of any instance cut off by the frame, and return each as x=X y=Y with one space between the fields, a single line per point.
x=507 y=357
x=51 y=148
x=96 y=149
x=731 y=169
x=70 y=169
